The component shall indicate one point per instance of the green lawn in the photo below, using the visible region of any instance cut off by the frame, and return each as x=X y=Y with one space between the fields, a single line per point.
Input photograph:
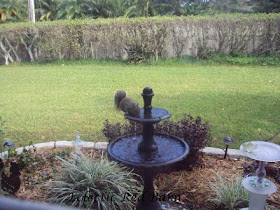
x=46 y=102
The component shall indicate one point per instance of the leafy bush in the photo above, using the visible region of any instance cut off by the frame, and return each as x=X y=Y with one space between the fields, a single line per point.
x=229 y=194
x=6 y=143
x=193 y=131
x=94 y=185
x=139 y=39
x=64 y=153
x=2 y=132
x=137 y=54
x=27 y=160
x=13 y=164
x=242 y=59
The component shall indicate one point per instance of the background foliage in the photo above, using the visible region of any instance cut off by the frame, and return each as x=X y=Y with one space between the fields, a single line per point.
x=16 y=10
x=158 y=37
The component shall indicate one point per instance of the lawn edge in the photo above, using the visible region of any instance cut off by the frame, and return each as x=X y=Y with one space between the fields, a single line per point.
x=232 y=153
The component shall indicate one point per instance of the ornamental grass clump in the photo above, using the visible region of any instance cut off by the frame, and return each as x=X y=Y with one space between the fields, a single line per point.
x=86 y=183
x=230 y=194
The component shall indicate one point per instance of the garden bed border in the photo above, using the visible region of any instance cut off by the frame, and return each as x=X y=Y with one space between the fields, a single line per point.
x=232 y=153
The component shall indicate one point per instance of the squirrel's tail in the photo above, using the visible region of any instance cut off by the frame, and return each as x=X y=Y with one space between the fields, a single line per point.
x=118 y=97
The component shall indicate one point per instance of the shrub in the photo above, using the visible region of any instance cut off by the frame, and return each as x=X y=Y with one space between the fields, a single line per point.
x=2 y=132
x=230 y=194
x=13 y=164
x=193 y=131
x=140 y=39
x=94 y=185
x=64 y=153
x=137 y=54
x=242 y=59
x=27 y=160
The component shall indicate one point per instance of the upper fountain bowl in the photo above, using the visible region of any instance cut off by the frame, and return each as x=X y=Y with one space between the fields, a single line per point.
x=154 y=116
x=148 y=114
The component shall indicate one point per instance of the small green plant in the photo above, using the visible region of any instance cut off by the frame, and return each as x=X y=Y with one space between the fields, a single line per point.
x=229 y=194
x=11 y=153
x=27 y=159
x=95 y=185
x=64 y=153
x=242 y=59
x=138 y=54
x=2 y=132
x=6 y=143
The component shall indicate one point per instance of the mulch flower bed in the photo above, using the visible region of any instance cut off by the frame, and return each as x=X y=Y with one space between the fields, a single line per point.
x=192 y=186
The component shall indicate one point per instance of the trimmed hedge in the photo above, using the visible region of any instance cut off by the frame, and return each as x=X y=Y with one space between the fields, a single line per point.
x=159 y=37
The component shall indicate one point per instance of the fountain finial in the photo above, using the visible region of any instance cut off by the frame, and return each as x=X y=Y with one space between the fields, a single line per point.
x=147 y=96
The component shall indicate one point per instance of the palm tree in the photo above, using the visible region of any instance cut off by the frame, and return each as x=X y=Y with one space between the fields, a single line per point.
x=267 y=6
x=13 y=10
x=232 y=6
x=3 y=14
x=47 y=9
x=105 y=8
x=121 y=7
x=142 y=8
x=92 y=8
x=70 y=9
x=170 y=7
x=180 y=7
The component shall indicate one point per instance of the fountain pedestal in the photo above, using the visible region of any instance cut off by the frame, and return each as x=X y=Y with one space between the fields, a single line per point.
x=258 y=186
x=148 y=151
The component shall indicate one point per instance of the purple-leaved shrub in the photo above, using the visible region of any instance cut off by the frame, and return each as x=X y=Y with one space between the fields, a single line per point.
x=194 y=132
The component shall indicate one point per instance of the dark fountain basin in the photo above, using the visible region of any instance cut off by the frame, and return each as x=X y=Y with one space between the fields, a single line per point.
x=170 y=150
x=148 y=151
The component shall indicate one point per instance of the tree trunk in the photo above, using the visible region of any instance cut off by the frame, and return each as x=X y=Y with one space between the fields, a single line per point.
x=31 y=11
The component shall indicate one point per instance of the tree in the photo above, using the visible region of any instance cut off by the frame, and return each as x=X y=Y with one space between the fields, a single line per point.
x=267 y=6
x=142 y=8
x=70 y=9
x=13 y=10
x=196 y=7
x=106 y=8
x=92 y=8
x=225 y=6
x=229 y=6
x=46 y=9
x=31 y=11
x=181 y=7
x=170 y=7
x=121 y=7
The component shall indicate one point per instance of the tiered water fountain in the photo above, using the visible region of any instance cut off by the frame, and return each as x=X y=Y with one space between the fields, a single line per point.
x=148 y=151
x=258 y=186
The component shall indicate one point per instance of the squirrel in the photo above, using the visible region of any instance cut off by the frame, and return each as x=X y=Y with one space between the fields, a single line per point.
x=127 y=105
